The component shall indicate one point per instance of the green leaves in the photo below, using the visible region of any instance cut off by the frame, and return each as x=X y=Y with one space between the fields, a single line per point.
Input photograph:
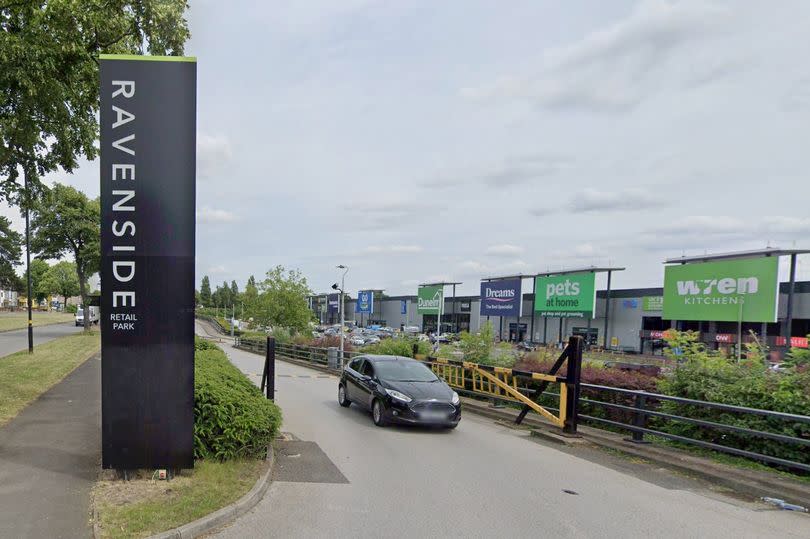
x=49 y=76
x=60 y=279
x=232 y=419
x=710 y=377
x=282 y=300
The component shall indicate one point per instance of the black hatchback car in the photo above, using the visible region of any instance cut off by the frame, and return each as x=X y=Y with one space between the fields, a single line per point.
x=399 y=390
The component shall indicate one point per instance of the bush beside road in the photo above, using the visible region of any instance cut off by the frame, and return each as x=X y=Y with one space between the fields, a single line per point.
x=24 y=376
x=233 y=426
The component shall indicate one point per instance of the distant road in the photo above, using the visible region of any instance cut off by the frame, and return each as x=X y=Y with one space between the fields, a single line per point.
x=14 y=341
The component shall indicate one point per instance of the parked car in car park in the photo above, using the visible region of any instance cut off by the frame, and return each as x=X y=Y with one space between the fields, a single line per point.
x=399 y=390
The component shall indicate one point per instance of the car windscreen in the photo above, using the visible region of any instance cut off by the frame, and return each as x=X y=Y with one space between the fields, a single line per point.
x=403 y=371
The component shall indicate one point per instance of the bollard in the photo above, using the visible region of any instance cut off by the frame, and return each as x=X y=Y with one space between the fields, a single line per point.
x=572 y=380
x=269 y=374
x=639 y=419
x=332 y=360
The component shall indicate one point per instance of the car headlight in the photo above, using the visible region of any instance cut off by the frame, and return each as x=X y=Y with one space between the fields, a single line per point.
x=399 y=396
x=455 y=399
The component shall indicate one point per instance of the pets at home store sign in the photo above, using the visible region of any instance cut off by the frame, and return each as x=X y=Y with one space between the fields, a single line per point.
x=566 y=296
x=723 y=291
x=148 y=151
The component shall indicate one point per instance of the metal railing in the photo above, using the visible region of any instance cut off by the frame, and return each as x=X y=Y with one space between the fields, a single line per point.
x=299 y=352
x=648 y=413
x=641 y=413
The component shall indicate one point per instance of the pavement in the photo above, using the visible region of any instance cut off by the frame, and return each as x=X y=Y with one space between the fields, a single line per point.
x=50 y=456
x=481 y=480
x=17 y=340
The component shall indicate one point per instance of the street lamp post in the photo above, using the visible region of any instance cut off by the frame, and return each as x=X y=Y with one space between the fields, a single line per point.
x=342 y=306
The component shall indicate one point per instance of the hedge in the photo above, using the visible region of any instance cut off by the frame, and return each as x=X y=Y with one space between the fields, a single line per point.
x=749 y=384
x=232 y=419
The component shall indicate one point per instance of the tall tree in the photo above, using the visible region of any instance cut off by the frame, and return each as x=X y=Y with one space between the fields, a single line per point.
x=67 y=222
x=234 y=291
x=250 y=295
x=205 y=292
x=38 y=269
x=60 y=279
x=49 y=81
x=10 y=252
x=283 y=300
x=225 y=294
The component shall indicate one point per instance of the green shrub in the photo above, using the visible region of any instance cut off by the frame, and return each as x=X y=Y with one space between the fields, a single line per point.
x=749 y=383
x=397 y=347
x=478 y=346
x=202 y=344
x=797 y=358
x=232 y=419
x=282 y=335
x=71 y=309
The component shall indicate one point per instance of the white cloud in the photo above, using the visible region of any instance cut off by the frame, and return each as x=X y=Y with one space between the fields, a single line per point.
x=591 y=200
x=217 y=270
x=504 y=249
x=391 y=249
x=475 y=269
x=786 y=225
x=607 y=69
x=213 y=154
x=210 y=215
x=393 y=213
x=703 y=225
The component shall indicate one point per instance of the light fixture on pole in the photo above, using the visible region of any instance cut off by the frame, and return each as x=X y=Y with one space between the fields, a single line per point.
x=342 y=306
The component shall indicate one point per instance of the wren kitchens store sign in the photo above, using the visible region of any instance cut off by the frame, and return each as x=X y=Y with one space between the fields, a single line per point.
x=430 y=299
x=725 y=291
x=571 y=295
x=148 y=152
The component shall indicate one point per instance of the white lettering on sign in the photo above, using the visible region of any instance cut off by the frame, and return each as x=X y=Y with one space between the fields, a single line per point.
x=123 y=200
x=725 y=286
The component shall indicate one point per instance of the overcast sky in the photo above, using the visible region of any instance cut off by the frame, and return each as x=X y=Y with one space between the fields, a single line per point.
x=422 y=140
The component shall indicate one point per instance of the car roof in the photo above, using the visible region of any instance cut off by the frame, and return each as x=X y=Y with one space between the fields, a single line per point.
x=379 y=359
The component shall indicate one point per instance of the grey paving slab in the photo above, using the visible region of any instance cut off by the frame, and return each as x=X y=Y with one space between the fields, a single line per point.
x=49 y=458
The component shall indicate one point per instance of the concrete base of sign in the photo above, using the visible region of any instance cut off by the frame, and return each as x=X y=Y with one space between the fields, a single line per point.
x=218 y=518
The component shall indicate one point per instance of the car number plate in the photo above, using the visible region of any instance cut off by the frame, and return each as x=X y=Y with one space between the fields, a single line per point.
x=433 y=416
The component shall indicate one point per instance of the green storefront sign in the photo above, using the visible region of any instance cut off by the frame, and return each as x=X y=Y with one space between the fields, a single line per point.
x=652 y=303
x=725 y=291
x=566 y=296
x=430 y=300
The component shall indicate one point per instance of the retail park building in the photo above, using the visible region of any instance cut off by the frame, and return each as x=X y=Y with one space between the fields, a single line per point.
x=635 y=322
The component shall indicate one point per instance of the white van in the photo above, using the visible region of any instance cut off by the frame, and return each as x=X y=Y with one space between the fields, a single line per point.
x=80 y=315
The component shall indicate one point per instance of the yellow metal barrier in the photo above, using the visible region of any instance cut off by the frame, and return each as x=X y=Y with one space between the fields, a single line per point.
x=498 y=382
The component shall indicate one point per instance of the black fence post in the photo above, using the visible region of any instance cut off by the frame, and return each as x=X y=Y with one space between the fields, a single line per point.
x=639 y=418
x=572 y=381
x=269 y=374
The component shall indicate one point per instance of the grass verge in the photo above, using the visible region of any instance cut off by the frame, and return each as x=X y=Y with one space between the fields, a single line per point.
x=24 y=376
x=142 y=507
x=19 y=320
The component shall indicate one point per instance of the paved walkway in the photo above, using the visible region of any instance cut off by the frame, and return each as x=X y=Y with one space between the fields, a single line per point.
x=49 y=458
x=16 y=340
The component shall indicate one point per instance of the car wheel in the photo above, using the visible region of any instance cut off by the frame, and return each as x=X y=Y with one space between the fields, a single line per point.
x=377 y=413
x=342 y=399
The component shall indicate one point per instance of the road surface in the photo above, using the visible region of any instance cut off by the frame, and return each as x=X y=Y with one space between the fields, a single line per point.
x=16 y=340
x=353 y=479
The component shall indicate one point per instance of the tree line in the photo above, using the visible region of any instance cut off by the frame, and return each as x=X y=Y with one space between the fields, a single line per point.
x=279 y=300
